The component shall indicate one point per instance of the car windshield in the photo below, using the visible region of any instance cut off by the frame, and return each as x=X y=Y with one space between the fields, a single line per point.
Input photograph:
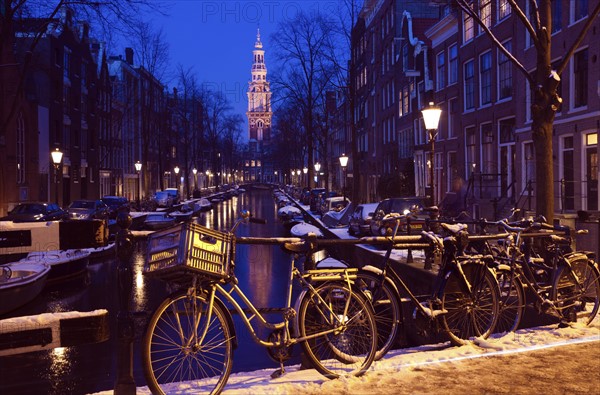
x=161 y=195
x=82 y=204
x=113 y=200
x=398 y=206
x=29 y=209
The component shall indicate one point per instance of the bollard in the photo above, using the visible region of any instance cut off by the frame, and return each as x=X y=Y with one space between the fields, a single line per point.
x=409 y=256
x=125 y=383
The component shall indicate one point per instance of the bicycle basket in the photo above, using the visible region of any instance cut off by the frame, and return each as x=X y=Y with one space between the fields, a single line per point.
x=190 y=247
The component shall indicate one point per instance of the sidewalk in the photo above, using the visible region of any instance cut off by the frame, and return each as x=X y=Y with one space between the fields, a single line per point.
x=537 y=360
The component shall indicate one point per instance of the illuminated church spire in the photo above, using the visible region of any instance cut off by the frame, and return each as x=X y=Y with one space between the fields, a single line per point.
x=259 y=96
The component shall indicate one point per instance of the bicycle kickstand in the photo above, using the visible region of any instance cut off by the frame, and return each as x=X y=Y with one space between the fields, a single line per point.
x=279 y=372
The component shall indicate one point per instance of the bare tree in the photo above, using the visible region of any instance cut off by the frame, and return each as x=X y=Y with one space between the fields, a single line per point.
x=341 y=48
x=300 y=47
x=543 y=82
x=151 y=49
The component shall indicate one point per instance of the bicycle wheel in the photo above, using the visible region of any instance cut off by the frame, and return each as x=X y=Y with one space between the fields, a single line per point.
x=183 y=349
x=512 y=300
x=341 y=328
x=576 y=290
x=385 y=300
x=470 y=314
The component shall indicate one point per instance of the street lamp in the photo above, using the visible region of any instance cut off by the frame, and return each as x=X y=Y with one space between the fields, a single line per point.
x=305 y=171
x=195 y=171
x=431 y=118
x=317 y=169
x=176 y=169
x=344 y=163
x=56 y=159
x=138 y=169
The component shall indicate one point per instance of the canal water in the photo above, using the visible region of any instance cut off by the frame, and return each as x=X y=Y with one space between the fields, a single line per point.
x=90 y=368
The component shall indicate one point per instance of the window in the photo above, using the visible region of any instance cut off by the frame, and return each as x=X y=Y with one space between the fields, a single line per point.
x=529 y=160
x=504 y=9
x=579 y=9
x=485 y=12
x=556 y=15
x=67 y=63
x=468 y=27
x=507 y=131
x=453 y=64
x=441 y=71
x=20 y=149
x=470 y=143
x=504 y=73
x=405 y=58
x=485 y=78
x=580 y=73
x=469 y=85
x=452 y=113
x=66 y=99
x=487 y=165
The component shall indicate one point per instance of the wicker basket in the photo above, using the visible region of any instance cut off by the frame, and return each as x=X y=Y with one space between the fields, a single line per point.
x=190 y=248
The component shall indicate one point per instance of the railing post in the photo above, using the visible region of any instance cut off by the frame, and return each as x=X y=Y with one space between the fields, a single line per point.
x=125 y=383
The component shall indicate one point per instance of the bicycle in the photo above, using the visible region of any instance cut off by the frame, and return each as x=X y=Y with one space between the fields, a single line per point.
x=191 y=337
x=464 y=300
x=561 y=282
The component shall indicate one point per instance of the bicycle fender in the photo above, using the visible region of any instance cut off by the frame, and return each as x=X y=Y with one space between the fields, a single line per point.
x=372 y=269
x=229 y=321
x=295 y=325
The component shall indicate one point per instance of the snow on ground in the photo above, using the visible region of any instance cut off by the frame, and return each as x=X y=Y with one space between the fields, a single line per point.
x=383 y=374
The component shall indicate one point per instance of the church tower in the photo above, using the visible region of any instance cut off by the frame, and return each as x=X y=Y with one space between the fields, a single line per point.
x=259 y=98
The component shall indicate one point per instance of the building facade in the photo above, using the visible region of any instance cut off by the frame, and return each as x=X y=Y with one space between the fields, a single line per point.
x=406 y=55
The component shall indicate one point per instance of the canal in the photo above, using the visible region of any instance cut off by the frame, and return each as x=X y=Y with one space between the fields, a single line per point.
x=85 y=369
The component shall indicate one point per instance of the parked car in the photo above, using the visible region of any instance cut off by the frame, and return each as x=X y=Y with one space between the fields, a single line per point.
x=88 y=209
x=359 y=222
x=315 y=196
x=336 y=203
x=34 y=212
x=410 y=207
x=163 y=199
x=115 y=205
x=174 y=193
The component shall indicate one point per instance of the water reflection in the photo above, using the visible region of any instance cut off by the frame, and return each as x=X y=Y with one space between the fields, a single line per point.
x=90 y=368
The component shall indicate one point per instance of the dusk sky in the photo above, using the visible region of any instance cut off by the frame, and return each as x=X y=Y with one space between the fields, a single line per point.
x=216 y=38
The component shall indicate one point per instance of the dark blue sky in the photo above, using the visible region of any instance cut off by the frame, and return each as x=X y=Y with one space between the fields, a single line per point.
x=216 y=38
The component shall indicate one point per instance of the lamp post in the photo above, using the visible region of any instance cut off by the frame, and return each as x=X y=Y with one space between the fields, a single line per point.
x=56 y=159
x=431 y=118
x=195 y=171
x=305 y=171
x=344 y=163
x=176 y=169
x=317 y=169
x=138 y=169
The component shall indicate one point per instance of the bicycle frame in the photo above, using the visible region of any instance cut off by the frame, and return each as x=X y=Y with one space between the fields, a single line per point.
x=305 y=279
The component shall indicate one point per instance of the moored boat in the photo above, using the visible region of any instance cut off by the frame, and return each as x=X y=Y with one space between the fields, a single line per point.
x=155 y=221
x=64 y=264
x=20 y=283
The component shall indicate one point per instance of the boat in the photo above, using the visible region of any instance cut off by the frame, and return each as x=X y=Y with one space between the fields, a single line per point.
x=287 y=213
x=64 y=264
x=155 y=221
x=101 y=252
x=302 y=229
x=20 y=283
x=204 y=204
x=181 y=215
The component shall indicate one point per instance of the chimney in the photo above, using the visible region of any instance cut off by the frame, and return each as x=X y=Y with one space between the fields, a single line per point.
x=129 y=55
